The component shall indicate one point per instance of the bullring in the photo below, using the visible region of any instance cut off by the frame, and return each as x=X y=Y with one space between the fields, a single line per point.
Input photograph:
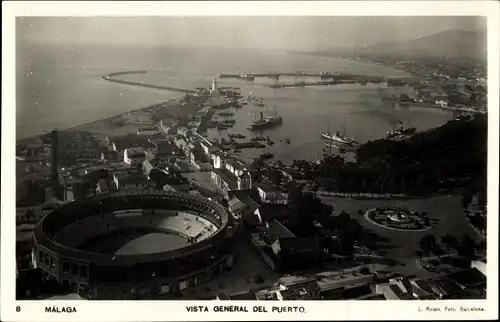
x=134 y=245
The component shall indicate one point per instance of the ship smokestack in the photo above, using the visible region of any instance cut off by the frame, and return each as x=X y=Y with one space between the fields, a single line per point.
x=261 y=115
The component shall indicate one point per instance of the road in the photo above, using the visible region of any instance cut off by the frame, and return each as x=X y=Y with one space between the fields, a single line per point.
x=399 y=247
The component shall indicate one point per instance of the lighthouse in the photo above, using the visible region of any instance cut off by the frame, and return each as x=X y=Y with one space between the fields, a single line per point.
x=214 y=86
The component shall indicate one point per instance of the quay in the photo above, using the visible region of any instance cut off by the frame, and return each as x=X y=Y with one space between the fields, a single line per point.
x=431 y=105
x=110 y=78
x=322 y=75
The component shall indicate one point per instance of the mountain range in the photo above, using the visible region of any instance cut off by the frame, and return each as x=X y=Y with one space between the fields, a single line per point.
x=449 y=43
x=469 y=44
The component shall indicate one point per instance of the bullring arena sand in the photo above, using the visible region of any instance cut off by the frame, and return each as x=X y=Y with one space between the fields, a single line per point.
x=141 y=241
x=137 y=243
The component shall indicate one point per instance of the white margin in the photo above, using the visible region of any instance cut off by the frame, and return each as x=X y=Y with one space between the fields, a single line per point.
x=176 y=310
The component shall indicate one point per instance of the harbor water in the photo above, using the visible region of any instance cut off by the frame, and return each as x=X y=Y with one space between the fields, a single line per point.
x=60 y=86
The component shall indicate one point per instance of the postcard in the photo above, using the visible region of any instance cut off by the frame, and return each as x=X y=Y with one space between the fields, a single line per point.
x=213 y=161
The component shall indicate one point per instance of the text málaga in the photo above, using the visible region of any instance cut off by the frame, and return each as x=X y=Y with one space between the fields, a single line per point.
x=56 y=309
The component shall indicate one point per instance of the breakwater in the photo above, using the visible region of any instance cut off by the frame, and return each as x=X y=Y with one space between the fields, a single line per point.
x=111 y=78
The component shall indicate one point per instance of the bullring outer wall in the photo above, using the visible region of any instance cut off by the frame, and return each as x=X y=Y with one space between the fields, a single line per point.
x=102 y=276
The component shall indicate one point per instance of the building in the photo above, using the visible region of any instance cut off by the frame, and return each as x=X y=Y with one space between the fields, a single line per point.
x=131 y=181
x=102 y=186
x=480 y=265
x=470 y=278
x=303 y=290
x=147 y=167
x=75 y=145
x=120 y=143
x=280 y=248
x=215 y=87
x=183 y=131
x=246 y=296
x=134 y=155
x=271 y=195
x=166 y=148
x=181 y=143
x=290 y=174
x=229 y=174
x=149 y=131
x=37 y=202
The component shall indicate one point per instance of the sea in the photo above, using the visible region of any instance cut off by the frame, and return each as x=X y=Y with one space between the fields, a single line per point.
x=59 y=85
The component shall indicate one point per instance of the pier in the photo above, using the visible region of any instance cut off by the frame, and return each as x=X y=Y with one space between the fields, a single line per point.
x=321 y=75
x=110 y=78
x=438 y=106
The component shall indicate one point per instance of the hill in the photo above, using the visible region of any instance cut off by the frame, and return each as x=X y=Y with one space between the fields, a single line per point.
x=449 y=43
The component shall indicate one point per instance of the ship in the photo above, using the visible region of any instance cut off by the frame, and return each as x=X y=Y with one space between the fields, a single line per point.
x=401 y=132
x=266 y=156
x=222 y=126
x=246 y=77
x=266 y=122
x=337 y=137
x=258 y=138
x=236 y=136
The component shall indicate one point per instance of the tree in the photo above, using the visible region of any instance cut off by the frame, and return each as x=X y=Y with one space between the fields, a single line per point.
x=450 y=241
x=467 y=246
x=427 y=244
x=437 y=250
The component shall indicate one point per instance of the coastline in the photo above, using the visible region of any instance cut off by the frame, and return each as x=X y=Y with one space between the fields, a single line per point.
x=108 y=77
x=86 y=125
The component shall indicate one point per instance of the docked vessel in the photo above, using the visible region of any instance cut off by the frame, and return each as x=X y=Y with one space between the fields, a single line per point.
x=226 y=114
x=236 y=136
x=337 y=137
x=402 y=132
x=246 y=77
x=266 y=156
x=266 y=122
x=258 y=138
x=223 y=126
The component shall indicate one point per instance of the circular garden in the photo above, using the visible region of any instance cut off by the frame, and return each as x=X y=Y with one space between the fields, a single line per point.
x=398 y=218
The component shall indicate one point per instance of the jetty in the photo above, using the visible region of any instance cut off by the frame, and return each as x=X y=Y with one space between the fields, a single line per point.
x=111 y=78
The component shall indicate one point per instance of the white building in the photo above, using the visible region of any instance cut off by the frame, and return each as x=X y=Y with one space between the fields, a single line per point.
x=135 y=155
x=480 y=265
x=214 y=86
x=229 y=174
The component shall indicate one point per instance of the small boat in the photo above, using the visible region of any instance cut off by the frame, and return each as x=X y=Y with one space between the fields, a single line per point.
x=222 y=126
x=287 y=141
x=236 y=136
x=266 y=156
x=258 y=138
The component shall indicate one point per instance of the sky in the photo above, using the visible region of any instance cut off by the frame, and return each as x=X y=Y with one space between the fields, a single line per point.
x=291 y=33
